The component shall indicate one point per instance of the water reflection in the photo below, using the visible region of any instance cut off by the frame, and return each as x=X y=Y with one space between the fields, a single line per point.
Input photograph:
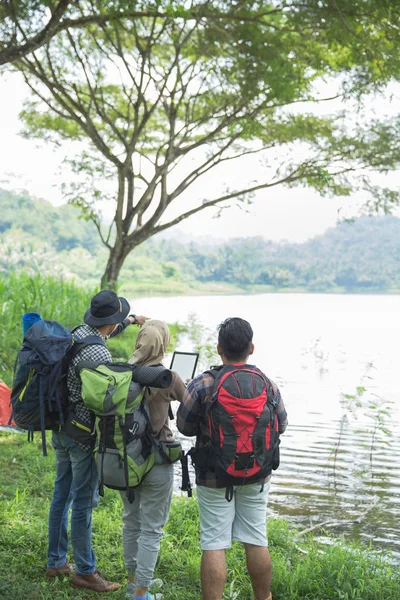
x=356 y=482
x=340 y=456
x=361 y=500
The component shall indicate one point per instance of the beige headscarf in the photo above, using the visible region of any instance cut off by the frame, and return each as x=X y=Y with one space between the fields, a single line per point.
x=151 y=343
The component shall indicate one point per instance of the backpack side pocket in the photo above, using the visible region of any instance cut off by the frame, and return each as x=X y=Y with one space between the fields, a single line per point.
x=170 y=452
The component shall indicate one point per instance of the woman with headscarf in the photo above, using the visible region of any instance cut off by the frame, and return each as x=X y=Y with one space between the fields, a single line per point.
x=145 y=518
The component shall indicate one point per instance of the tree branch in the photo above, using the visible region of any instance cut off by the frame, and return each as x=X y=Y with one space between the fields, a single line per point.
x=72 y=107
x=293 y=176
x=97 y=223
x=13 y=53
x=187 y=15
x=299 y=173
x=92 y=93
x=57 y=24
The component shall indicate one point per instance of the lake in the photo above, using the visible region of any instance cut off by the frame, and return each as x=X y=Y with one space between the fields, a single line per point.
x=336 y=361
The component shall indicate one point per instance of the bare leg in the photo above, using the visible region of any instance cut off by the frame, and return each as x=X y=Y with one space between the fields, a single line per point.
x=259 y=567
x=213 y=574
x=140 y=591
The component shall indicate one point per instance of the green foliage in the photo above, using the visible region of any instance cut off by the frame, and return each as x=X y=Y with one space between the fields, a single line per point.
x=302 y=568
x=59 y=228
x=205 y=84
x=359 y=256
x=53 y=299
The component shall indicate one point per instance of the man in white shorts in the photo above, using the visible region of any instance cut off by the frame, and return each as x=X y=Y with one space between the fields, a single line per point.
x=236 y=414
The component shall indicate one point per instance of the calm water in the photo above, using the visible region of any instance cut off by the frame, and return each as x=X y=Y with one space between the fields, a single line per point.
x=340 y=462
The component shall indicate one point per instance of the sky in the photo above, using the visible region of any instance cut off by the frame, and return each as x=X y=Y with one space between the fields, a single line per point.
x=276 y=214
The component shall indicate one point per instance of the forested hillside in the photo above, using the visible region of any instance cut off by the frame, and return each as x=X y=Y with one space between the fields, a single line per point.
x=360 y=256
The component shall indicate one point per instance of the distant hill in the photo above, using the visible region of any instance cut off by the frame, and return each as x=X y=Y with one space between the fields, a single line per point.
x=59 y=227
x=360 y=256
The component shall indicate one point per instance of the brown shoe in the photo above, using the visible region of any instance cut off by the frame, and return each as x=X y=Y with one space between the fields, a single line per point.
x=95 y=582
x=63 y=571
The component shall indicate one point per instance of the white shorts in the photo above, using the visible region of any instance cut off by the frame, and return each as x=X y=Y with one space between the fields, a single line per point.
x=243 y=519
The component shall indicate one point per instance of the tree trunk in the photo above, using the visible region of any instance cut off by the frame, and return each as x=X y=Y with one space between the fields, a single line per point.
x=114 y=264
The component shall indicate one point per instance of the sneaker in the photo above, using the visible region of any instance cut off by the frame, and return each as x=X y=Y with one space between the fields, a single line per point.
x=150 y=596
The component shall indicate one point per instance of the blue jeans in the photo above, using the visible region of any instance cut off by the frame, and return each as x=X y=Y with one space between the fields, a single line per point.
x=77 y=484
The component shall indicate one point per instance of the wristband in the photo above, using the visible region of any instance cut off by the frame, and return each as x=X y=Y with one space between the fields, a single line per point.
x=136 y=319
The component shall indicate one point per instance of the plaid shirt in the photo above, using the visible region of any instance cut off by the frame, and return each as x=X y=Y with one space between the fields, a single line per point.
x=94 y=352
x=192 y=418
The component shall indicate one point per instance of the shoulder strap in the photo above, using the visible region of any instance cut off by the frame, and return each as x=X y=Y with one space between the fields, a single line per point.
x=218 y=372
x=89 y=340
x=214 y=370
x=224 y=371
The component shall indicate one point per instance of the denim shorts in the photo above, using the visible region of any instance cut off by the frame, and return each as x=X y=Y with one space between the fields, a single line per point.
x=243 y=519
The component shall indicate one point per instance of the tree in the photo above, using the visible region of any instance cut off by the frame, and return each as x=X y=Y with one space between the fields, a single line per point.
x=27 y=25
x=158 y=102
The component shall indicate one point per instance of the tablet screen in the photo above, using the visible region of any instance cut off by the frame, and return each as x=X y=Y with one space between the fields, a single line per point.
x=184 y=363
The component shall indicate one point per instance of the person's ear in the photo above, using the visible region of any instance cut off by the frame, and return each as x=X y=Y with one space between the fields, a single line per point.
x=251 y=349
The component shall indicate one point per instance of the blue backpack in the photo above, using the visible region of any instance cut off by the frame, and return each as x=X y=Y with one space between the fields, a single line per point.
x=39 y=395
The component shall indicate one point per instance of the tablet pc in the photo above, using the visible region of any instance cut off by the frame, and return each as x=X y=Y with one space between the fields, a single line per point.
x=185 y=363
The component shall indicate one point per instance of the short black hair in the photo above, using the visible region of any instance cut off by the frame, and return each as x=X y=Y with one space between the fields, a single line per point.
x=235 y=337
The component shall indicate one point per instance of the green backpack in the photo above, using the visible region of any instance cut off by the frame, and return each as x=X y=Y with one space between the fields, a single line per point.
x=126 y=448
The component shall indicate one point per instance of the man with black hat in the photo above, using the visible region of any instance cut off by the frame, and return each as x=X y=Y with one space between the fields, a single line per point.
x=77 y=480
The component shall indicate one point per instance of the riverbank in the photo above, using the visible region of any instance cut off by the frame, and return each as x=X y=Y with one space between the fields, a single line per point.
x=303 y=568
x=171 y=287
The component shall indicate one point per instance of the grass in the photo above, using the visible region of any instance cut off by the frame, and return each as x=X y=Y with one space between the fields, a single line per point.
x=54 y=299
x=303 y=569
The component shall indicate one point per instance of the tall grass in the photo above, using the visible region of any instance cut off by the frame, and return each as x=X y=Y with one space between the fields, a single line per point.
x=303 y=569
x=53 y=299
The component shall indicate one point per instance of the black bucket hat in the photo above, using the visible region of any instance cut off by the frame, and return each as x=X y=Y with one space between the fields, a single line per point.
x=106 y=308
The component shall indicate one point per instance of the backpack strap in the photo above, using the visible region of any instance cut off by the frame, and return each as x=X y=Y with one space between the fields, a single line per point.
x=214 y=370
x=186 y=486
x=229 y=493
x=89 y=340
x=130 y=493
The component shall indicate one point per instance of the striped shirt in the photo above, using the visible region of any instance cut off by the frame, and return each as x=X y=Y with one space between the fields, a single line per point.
x=192 y=418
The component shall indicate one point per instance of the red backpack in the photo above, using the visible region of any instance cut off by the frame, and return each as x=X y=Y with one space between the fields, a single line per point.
x=243 y=427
